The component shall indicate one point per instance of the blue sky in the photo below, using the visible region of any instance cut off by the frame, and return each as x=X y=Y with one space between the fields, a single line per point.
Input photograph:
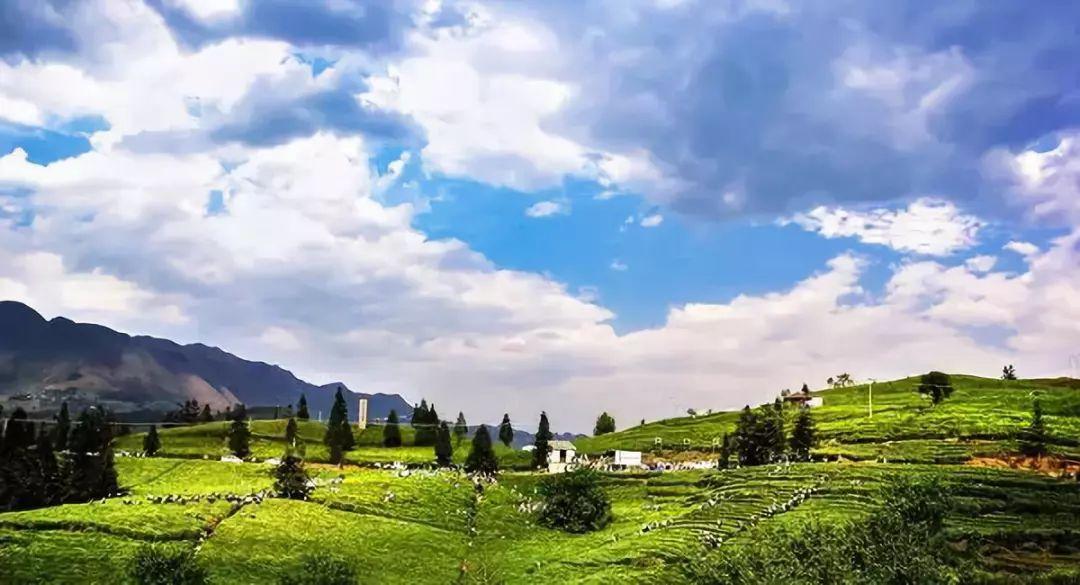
x=519 y=206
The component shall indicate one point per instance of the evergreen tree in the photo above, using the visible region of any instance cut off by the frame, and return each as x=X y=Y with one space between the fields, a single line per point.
x=805 y=389
x=90 y=471
x=506 y=431
x=206 y=416
x=433 y=422
x=725 y=452
x=19 y=433
x=189 y=413
x=444 y=449
x=63 y=428
x=391 y=432
x=290 y=432
x=1033 y=438
x=239 y=433
x=301 y=409
x=420 y=421
x=773 y=440
x=541 y=446
x=803 y=436
x=291 y=479
x=604 y=424
x=338 y=429
x=482 y=457
x=48 y=471
x=1008 y=372
x=936 y=385
x=151 y=442
x=747 y=447
x=461 y=428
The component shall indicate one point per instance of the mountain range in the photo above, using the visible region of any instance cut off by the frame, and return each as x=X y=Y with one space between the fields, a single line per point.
x=45 y=362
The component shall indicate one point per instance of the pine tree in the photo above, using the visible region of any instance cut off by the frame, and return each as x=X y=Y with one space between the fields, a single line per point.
x=725 y=452
x=290 y=432
x=19 y=433
x=773 y=440
x=50 y=484
x=433 y=422
x=444 y=449
x=338 y=429
x=803 y=436
x=301 y=409
x=206 y=416
x=1033 y=438
x=63 y=428
x=506 y=431
x=461 y=428
x=151 y=443
x=391 y=432
x=482 y=457
x=747 y=438
x=420 y=422
x=291 y=479
x=541 y=446
x=90 y=470
x=604 y=424
x=239 y=434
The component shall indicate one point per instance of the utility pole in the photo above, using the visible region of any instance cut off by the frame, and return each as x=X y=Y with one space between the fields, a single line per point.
x=870 y=400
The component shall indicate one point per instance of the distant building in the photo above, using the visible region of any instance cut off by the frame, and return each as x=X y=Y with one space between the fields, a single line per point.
x=627 y=459
x=561 y=456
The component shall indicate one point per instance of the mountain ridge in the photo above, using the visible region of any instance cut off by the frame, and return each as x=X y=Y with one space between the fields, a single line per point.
x=46 y=362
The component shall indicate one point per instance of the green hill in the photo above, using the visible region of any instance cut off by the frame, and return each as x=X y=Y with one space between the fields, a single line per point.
x=982 y=417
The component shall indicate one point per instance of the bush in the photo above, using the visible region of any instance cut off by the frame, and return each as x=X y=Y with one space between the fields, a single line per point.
x=574 y=502
x=156 y=564
x=320 y=570
x=290 y=478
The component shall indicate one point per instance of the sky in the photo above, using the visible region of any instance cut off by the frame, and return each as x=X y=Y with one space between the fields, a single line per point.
x=631 y=206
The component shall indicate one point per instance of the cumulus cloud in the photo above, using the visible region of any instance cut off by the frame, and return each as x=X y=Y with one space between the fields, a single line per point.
x=619 y=266
x=927 y=226
x=652 y=220
x=546 y=209
x=1022 y=248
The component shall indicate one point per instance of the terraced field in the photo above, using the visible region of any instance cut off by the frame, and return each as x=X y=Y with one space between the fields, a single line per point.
x=424 y=526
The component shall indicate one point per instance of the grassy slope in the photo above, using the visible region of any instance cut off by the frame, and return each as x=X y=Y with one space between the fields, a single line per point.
x=982 y=416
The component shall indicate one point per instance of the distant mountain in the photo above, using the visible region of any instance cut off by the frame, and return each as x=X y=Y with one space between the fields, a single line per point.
x=44 y=362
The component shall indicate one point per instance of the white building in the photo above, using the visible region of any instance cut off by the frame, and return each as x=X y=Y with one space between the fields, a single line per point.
x=561 y=455
x=626 y=459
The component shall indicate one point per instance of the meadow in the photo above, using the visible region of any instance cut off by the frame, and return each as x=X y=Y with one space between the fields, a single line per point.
x=421 y=525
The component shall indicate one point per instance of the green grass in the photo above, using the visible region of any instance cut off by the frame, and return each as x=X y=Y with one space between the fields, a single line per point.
x=424 y=526
x=982 y=417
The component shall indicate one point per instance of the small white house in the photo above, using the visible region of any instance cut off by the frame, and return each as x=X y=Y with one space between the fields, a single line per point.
x=627 y=459
x=560 y=456
x=801 y=399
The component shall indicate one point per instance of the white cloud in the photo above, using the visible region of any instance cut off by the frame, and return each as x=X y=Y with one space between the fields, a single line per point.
x=1046 y=183
x=1022 y=248
x=546 y=209
x=928 y=226
x=652 y=220
x=981 y=263
x=619 y=266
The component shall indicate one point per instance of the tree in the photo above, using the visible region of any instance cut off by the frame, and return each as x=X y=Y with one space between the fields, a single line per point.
x=1008 y=372
x=770 y=432
x=90 y=471
x=206 y=416
x=541 y=445
x=19 y=433
x=160 y=564
x=1033 y=438
x=748 y=440
x=338 y=430
x=574 y=502
x=481 y=458
x=506 y=432
x=803 y=436
x=239 y=434
x=151 y=442
x=62 y=428
x=432 y=425
x=936 y=385
x=604 y=424
x=461 y=428
x=725 y=452
x=444 y=449
x=391 y=433
x=291 y=479
x=805 y=389
x=301 y=409
x=290 y=432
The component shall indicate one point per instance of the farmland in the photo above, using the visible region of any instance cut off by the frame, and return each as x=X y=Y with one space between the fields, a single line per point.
x=423 y=525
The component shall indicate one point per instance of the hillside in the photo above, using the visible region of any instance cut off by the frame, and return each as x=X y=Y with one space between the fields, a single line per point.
x=50 y=361
x=982 y=416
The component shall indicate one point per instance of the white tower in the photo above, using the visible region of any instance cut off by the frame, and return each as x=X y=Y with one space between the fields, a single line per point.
x=361 y=422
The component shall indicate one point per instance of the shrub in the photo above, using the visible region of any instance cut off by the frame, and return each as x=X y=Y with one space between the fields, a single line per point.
x=320 y=570
x=574 y=502
x=290 y=478
x=156 y=564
